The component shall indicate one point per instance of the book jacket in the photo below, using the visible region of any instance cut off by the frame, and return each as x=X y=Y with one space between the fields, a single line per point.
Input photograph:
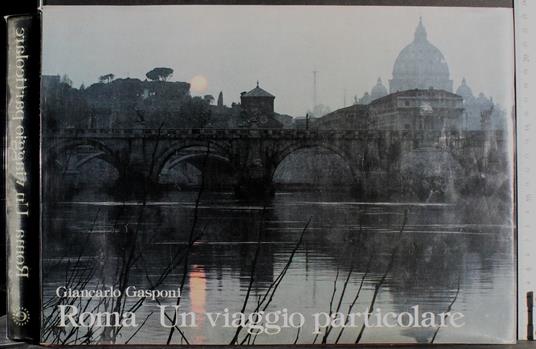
x=258 y=174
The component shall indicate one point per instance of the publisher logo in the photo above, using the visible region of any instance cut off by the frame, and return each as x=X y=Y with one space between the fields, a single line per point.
x=21 y=317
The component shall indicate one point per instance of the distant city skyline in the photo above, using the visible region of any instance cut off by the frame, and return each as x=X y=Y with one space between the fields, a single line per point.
x=230 y=48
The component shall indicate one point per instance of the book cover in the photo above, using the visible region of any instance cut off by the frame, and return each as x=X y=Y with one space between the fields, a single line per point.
x=293 y=174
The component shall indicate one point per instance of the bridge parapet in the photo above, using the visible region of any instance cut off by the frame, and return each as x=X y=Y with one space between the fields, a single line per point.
x=208 y=133
x=288 y=134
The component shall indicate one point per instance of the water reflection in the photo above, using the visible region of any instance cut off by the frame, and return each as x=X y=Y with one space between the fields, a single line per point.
x=198 y=298
x=443 y=252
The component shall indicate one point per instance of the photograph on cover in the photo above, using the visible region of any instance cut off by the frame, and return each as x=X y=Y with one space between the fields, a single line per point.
x=277 y=175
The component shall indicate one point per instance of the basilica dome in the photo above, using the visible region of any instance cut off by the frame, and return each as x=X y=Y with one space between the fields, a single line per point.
x=378 y=91
x=483 y=101
x=465 y=91
x=420 y=65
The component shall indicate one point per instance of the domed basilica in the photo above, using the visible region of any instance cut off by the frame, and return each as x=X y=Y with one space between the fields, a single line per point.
x=421 y=65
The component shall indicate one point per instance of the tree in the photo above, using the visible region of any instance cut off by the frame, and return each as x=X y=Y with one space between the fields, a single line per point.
x=197 y=112
x=106 y=78
x=159 y=74
x=209 y=98
x=66 y=80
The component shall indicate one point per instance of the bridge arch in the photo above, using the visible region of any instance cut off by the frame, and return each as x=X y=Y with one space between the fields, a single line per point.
x=51 y=154
x=194 y=150
x=171 y=164
x=348 y=160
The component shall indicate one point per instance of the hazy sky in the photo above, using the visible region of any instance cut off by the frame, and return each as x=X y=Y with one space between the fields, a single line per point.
x=234 y=46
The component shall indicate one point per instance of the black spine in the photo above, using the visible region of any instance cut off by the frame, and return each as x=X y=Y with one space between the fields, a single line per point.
x=530 y=317
x=22 y=178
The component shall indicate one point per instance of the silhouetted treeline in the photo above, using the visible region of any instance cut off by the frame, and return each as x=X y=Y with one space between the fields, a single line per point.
x=125 y=103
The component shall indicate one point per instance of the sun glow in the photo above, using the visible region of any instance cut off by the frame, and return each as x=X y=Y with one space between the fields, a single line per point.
x=199 y=83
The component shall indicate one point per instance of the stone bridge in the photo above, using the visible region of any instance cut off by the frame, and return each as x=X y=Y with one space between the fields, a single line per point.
x=254 y=154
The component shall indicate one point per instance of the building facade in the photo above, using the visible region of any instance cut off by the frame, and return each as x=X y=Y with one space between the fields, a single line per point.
x=354 y=117
x=416 y=109
x=258 y=108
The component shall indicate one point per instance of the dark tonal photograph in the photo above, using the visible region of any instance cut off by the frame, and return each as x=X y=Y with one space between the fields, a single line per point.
x=254 y=174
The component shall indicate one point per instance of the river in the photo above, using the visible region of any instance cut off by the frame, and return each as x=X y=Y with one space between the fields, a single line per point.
x=436 y=256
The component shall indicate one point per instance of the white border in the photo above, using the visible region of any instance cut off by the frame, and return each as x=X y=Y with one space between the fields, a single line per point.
x=525 y=20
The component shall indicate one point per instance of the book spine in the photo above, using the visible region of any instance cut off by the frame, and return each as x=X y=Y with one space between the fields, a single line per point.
x=22 y=178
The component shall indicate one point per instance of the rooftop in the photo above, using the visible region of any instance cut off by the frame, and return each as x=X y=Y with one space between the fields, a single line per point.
x=258 y=92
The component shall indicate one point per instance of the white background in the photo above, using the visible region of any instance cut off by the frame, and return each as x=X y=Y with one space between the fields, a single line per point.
x=526 y=142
